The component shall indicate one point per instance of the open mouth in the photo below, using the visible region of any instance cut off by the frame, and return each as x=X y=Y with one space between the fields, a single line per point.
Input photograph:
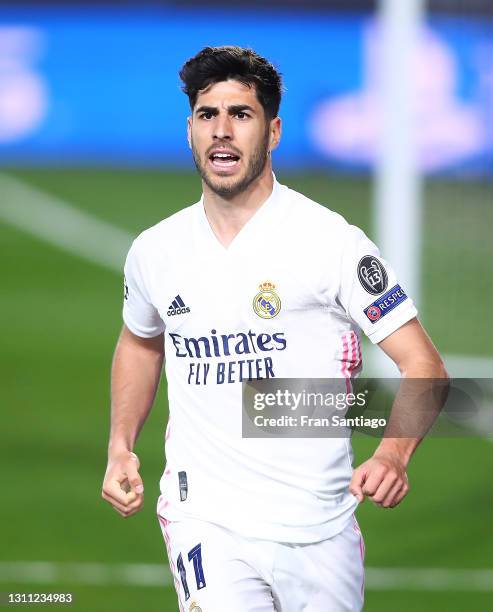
x=224 y=160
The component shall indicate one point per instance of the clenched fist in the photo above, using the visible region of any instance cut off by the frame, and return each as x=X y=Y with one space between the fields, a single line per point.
x=382 y=479
x=122 y=485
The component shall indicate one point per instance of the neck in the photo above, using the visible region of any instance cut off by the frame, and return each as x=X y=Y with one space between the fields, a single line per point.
x=227 y=216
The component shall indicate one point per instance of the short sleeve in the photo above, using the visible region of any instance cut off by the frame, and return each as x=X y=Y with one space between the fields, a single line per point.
x=139 y=314
x=370 y=292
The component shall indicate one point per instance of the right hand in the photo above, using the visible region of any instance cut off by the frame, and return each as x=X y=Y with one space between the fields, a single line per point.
x=122 y=485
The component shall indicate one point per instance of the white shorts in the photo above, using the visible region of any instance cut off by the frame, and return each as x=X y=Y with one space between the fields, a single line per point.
x=216 y=570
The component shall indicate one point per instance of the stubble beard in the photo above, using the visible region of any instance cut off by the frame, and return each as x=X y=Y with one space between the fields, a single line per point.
x=237 y=185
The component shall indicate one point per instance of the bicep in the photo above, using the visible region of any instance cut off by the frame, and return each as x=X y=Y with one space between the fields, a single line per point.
x=411 y=349
x=130 y=341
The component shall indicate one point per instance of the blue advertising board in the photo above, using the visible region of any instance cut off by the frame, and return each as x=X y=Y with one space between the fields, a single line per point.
x=101 y=86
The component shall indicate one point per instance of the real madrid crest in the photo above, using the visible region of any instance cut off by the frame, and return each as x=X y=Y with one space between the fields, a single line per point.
x=267 y=304
x=195 y=607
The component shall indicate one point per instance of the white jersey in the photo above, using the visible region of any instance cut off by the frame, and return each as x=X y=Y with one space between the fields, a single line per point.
x=285 y=300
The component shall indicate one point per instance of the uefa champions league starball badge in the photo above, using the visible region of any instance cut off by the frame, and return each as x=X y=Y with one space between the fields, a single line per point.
x=267 y=304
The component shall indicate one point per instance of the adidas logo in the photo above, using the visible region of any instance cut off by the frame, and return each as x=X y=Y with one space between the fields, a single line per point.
x=177 y=307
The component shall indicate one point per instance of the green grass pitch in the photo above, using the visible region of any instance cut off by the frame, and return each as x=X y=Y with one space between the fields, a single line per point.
x=60 y=320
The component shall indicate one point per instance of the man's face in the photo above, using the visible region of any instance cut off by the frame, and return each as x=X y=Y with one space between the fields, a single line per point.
x=230 y=137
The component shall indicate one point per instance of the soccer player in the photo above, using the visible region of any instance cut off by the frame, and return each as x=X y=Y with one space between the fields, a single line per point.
x=254 y=281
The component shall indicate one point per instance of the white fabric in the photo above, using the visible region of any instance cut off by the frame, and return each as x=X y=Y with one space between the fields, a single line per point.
x=249 y=575
x=285 y=490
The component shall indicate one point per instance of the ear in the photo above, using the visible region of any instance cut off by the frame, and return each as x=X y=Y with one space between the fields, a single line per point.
x=189 y=131
x=275 y=133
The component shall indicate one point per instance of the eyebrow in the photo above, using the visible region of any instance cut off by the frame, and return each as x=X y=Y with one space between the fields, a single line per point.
x=232 y=110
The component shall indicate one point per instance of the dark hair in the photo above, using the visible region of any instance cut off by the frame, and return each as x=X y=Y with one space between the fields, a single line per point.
x=215 y=64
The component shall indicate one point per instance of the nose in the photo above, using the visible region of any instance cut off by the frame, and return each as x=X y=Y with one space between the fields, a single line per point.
x=223 y=127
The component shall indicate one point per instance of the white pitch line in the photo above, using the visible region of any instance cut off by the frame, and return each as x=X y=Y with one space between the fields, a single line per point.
x=95 y=574
x=73 y=230
x=155 y=575
x=378 y=365
x=429 y=579
x=62 y=225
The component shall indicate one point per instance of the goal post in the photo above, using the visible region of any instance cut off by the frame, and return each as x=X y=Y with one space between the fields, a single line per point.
x=397 y=187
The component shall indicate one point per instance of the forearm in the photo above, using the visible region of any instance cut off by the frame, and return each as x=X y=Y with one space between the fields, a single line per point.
x=135 y=375
x=418 y=403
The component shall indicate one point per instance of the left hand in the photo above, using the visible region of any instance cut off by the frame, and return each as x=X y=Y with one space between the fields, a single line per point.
x=382 y=478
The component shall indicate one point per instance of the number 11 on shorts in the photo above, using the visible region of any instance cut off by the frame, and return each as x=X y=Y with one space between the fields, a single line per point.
x=195 y=556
